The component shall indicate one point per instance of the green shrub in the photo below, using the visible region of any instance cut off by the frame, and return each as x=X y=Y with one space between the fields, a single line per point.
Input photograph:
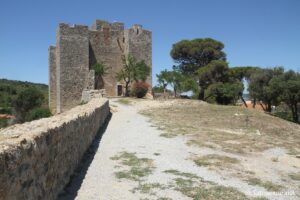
x=283 y=111
x=223 y=93
x=27 y=100
x=6 y=110
x=99 y=69
x=37 y=113
x=140 y=89
x=3 y=122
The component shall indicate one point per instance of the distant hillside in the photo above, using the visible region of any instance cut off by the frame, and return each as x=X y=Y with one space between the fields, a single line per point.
x=9 y=89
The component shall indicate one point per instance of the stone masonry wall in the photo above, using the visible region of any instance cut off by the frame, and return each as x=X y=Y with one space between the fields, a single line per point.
x=72 y=63
x=106 y=46
x=139 y=45
x=52 y=79
x=37 y=158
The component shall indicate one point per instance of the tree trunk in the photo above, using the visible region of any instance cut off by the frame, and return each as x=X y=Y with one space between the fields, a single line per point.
x=254 y=103
x=243 y=100
x=269 y=107
x=99 y=82
x=175 y=94
x=295 y=113
x=127 y=89
x=201 y=94
x=265 y=109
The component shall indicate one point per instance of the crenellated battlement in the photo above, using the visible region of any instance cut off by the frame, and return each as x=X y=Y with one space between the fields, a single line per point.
x=137 y=26
x=67 y=29
x=100 y=25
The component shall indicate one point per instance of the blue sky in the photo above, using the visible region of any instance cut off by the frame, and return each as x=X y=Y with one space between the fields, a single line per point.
x=255 y=32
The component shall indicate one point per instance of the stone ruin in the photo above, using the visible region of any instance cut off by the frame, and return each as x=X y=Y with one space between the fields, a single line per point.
x=79 y=47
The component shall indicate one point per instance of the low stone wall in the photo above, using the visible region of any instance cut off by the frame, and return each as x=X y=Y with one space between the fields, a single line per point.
x=87 y=95
x=37 y=158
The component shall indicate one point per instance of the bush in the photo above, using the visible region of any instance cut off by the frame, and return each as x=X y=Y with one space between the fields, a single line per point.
x=284 y=115
x=99 y=69
x=284 y=112
x=140 y=89
x=224 y=93
x=3 y=122
x=37 y=113
x=27 y=100
x=6 y=110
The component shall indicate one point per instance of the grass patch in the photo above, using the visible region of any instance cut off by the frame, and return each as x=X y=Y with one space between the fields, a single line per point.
x=167 y=135
x=196 y=188
x=183 y=174
x=197 y=192
x=148 y=188
x=83 y=103
x=137 y=168
x=4 y=122
x=295 y=177
x=124 y=101
x=265 y=184
x=215 y=160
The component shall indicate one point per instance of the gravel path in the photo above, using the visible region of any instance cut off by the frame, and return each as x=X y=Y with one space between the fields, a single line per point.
x=131 y=132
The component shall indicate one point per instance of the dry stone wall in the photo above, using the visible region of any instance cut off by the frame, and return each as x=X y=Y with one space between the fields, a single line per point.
x=37 y=158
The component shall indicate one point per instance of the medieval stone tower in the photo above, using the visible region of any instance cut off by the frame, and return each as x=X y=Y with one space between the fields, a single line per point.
x=79 y=47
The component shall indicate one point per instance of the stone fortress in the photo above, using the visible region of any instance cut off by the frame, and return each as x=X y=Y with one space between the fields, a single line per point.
x=79 y=47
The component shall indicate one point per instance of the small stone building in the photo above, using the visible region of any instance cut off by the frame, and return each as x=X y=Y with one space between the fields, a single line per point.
x=79 y=47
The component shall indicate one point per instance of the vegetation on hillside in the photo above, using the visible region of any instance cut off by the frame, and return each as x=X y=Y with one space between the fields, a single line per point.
x=23 y=101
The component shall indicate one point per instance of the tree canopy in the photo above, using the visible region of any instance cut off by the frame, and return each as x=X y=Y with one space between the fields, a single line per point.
x=132 y=70
x=27 y=100
x=173 y=78
x=260 y=89
x=194 y=54
x=163 y=79
x=217 y=84
x=241 y=73
x=287 y=86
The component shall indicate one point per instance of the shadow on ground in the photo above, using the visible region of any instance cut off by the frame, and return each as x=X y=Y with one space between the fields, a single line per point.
x=71 y=189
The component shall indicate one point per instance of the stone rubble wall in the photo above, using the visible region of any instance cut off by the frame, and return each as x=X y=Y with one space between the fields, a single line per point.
x=37 y=158
x=72 y=63
x=88 y=95
x=52 y=79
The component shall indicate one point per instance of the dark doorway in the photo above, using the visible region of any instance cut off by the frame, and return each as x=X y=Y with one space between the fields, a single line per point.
x=120 y=90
